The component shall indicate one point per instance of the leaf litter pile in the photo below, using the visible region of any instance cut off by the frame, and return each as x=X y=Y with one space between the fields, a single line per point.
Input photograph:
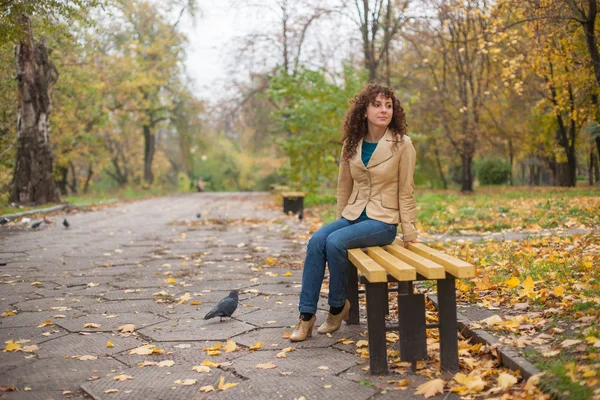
x=543 y=299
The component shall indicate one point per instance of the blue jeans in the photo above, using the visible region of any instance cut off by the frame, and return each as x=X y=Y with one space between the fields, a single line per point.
x=330 y=244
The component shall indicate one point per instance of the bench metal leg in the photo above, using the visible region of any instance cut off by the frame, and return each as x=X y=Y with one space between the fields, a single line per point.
x=376 y=294
x=352 y=296
x=448 y=325
x=411 y=320
x=387 y=300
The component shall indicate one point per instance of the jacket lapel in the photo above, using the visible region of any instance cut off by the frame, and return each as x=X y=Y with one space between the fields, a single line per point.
x=382 y=152
x=357 y=159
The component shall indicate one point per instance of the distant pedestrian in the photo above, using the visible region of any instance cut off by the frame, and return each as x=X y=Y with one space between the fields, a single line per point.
x=375 y=192
x=200 y=185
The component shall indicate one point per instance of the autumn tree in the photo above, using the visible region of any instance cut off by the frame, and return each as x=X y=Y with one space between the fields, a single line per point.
x=33 y=178
x=379 y=23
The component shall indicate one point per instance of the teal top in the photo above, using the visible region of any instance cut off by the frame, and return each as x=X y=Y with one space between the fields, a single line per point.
x=367 y=151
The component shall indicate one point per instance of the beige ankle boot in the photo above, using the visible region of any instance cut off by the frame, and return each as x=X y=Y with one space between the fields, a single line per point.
x=303 y=329
x=334 y=322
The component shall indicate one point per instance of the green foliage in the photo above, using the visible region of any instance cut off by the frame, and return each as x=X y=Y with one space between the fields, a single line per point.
x=45 y=12
x=492 y=171
x=311 y=113
x=183 y=182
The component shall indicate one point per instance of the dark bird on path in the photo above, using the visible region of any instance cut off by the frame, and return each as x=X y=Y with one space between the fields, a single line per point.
x=36 y=225
x=199 y=215
x=225 y=307
x=4 y=220
x=66 y=223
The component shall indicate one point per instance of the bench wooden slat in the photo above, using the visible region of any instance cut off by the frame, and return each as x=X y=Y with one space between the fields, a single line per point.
x=454 y=266
x=394 y=266
x=367 y=266
x=424 y=266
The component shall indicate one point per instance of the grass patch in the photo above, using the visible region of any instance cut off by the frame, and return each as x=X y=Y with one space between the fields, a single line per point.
x=93 y=197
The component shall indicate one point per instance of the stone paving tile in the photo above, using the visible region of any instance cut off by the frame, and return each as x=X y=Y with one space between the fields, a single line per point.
x=279 y=289
x=196 y=329
x=45 y=395
x=55 y=303
x=33 y=319
x=157 y=383
x=138 y=294
x=116 y=307
x=221 y=285
x=34 y=334
x=271 y=318
x=289 y=303
x=294 y=387
x=301 y=362
x=191 y=352
x=273 y=338
x=12 y=360
x=141 y=283
x=94 y=344
x=58 y=373
x=140 y=320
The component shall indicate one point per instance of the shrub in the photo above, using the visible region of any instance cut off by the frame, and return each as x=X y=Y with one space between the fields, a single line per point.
x=492 y=171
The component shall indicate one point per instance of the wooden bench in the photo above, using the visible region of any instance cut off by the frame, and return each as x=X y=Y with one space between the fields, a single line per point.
x=293 y=202
x=378 y=266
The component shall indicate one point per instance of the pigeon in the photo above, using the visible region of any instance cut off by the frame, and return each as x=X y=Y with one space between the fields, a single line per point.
x=48 y=220
x=36 y=225
x=4 y=220
x=199 y=215
x=66 y=223
x=225 y=307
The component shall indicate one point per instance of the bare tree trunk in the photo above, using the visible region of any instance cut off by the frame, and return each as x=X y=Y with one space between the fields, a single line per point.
x=438 y=163
x=61 y=184
x=149 y=149
x=467 y=173
x=88 y=178
x=591 y=167
x=33 y=180
x=73 y=185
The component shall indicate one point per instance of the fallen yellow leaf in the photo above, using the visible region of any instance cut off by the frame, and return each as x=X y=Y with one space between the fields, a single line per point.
x=109 y=344
x=215 y=347
x=201 y=368
x=512 y=282
x=45 y=323
x=431 y=388
x=127 y=328
x=207 y=388
x=230 y=346
x=12 y=346
x=256 y=346
x=185 y=382
x=268 y=365
x=91 y=325
x=123 y=377
x=506 y=381
x=165 y=363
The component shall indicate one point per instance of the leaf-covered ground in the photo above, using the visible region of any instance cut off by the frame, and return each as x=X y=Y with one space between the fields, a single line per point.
x=494 y=209
x=544 y=295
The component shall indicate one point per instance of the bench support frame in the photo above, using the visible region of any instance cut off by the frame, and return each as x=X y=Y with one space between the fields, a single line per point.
x=411 y=325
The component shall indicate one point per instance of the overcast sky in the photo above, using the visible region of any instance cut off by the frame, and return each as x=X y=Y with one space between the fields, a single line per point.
x=211 y=43
x=208 y=40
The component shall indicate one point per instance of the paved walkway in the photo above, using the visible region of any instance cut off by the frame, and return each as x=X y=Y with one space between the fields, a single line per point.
x=155 y=265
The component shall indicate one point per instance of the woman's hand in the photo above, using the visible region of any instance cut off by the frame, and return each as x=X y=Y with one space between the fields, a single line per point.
x=412 y=241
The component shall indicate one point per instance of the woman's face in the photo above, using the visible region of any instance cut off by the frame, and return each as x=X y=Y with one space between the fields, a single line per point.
x=380 y=111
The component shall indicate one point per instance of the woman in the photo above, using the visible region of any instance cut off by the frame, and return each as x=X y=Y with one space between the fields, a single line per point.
x=375 y=192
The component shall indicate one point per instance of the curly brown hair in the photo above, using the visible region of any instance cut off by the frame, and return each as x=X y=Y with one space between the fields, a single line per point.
x=355 y=124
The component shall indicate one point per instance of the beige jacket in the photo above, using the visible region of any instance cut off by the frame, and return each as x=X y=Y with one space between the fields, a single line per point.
x=385 y=186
